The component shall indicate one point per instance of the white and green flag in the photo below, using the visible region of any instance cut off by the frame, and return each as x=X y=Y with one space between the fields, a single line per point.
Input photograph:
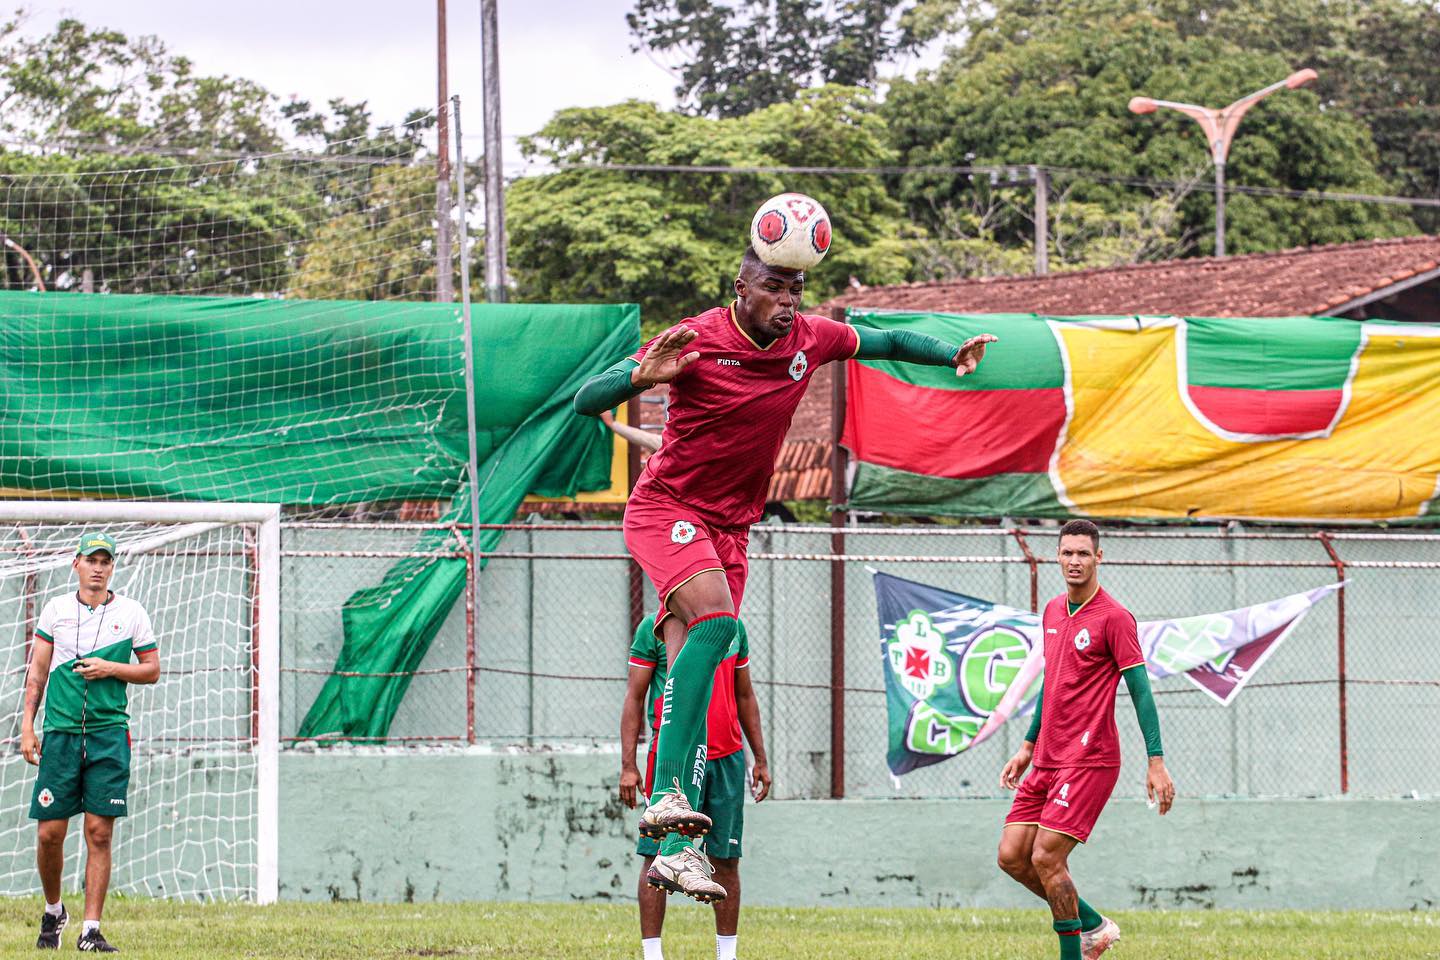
x=958 y=667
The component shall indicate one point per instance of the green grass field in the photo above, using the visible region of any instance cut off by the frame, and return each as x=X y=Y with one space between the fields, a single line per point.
x=351 y=930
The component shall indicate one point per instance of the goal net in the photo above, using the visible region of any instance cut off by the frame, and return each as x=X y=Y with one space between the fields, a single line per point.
x=203 y=781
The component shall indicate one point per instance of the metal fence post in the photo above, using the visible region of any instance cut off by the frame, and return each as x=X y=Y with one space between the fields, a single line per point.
x=837 y=577
x=1329 y=546
x=469 y=637
x=1019 y=536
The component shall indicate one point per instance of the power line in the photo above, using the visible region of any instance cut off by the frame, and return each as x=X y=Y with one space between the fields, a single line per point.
x=1008 y=171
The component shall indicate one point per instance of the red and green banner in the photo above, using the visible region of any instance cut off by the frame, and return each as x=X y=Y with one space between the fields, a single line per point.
x=1292 y=418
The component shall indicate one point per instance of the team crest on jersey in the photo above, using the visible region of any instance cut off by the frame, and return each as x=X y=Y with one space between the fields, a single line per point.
x=46 y=797
x=116 y=627
x=683 y=532
x=799 y=365
x=1082 y=639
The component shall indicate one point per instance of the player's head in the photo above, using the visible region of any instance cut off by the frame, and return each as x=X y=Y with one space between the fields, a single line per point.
x=94 y=561
x=1080 y=552
x=768 y=297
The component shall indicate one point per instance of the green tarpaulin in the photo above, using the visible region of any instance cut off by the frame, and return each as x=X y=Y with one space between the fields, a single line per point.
x=308 y=402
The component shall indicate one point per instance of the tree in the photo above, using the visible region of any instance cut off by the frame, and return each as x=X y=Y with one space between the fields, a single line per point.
x=79 y=87
x=1375 y=58
x=671 y=240
x=738 y=57
x=1025 y=92
x=144 y=224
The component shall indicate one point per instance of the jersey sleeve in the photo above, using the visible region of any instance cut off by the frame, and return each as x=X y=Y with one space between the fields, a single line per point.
x=144 y=639
x=742 y=659
x=642 y=647
x=835 y=340
x=45 y=626
x=1124 y=637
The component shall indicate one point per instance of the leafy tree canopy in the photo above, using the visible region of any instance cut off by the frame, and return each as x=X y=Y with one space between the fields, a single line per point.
x=736 y=57
x=671 y=240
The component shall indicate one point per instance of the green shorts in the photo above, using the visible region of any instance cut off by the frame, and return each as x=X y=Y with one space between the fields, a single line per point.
x=722 y=799
x=89 y=772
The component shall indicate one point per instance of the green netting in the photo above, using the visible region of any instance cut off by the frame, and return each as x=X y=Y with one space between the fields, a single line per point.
x=308 y=402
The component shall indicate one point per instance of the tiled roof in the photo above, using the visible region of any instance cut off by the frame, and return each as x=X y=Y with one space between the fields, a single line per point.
x=1297 y=282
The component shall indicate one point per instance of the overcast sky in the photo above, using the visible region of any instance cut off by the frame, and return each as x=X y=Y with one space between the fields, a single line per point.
x=553 y=53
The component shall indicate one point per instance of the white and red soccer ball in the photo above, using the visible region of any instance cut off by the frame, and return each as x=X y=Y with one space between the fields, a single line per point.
x=791 y=230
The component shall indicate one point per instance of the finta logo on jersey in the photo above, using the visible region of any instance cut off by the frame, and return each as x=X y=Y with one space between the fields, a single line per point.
x=724 y=362
x=799 y=365
x=1082 y=639
x=683 y=532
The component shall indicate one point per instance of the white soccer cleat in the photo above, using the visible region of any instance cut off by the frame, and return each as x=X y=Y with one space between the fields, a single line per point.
x=686 y=872
x=672 y=813
x=1099 y=940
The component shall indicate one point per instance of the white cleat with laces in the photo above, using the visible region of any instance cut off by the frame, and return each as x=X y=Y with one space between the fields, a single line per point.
x=671 y=813
x=687 y=872
x=1099 y=940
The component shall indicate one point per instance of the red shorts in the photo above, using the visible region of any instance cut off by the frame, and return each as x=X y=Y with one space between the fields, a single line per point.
x=672 y=544
x=1066 y=800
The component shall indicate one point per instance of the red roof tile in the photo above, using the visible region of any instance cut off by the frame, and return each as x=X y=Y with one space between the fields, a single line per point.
x=1297 y=282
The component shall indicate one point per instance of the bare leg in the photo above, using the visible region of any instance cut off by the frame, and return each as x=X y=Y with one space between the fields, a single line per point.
x=1050 y=858
x=50 y=856
x=727 y=911
x=652 y=905
x=1017 y=842
x=98 y=831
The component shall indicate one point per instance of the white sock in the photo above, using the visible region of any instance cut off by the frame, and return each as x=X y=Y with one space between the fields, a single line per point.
x=651 y=946
x=725 y=947
x=89 y=925
x=54 y=909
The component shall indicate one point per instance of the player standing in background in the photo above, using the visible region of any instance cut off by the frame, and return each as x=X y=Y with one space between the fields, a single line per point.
x=1091 y=641
x=734 y=709
x=82 y=657
x=688 y=520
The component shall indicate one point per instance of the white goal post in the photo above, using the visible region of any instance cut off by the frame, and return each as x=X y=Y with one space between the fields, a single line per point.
x=204 y=789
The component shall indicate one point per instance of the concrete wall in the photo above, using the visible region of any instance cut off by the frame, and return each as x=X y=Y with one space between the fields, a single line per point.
x=469 y=825
x=541 y=624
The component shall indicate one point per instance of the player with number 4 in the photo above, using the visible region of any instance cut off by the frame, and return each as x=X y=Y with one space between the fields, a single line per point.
x=1091 y=641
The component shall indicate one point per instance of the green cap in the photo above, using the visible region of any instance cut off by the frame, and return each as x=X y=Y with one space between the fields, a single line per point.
x=96 y=541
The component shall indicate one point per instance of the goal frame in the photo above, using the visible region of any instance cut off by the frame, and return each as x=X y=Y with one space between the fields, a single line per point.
x=267 y=747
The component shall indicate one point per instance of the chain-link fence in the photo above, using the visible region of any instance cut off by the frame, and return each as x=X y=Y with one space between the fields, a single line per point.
x=544 y=649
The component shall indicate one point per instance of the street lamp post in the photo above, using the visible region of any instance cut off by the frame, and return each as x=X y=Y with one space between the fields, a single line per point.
x=1219 y=127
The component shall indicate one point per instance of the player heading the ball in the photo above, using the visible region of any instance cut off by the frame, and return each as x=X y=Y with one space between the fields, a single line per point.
x=736 y=374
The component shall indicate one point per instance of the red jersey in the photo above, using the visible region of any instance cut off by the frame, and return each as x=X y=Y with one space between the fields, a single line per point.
x=1085 y=654
x=723 y=719
x=730 y=411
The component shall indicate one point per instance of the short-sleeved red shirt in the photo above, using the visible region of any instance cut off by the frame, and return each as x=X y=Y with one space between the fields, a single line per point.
x=730 y=410
x=1085 y=653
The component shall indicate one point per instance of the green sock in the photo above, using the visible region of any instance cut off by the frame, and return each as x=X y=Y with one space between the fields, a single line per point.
x=1089 y=917
x=1069 y=931
x=687 y=700
x=674 y=843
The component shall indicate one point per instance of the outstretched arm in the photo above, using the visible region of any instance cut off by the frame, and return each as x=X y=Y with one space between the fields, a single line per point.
x=1158 y=785
x=641 y=438
x=748 y=706
x=910 y=347
x=664 y=359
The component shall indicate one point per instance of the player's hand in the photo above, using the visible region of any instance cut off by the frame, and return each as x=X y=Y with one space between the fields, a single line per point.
x=629 y=786
x=666 y=357
x=971 y=352
x=1158 y=785
x=1016 y=766
x=29 y=746
x=760 y=780
x=92 y=668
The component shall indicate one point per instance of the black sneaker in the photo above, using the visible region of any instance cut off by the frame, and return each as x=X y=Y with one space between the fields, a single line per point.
x=95 y=942
x=50 y=927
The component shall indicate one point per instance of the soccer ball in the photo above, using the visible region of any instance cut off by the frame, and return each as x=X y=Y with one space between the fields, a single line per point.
x=791 y=230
